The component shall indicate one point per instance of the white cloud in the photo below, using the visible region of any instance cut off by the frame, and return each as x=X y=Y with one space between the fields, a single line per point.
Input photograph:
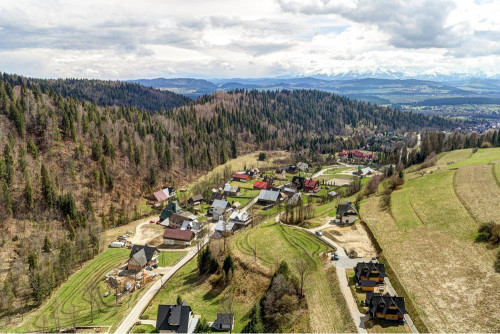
x=131 y=39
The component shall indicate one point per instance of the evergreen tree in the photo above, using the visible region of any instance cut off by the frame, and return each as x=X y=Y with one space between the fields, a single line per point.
x=9 y=204
x=9 y=165
x=47 y=246
x=48 y=193
x=228 y=264
x=28 y=194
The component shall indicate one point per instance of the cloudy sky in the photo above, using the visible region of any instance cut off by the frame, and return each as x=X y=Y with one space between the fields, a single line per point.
x=128 y=39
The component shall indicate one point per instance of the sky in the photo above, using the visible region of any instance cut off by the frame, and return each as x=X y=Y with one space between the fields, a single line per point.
x=128 y=39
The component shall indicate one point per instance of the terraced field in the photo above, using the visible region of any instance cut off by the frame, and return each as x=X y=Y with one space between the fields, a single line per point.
x=428 y=240
x=274 y=243
x=71 y=300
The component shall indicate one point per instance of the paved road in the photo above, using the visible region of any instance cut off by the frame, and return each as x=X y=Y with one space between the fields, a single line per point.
x=249 y=204
x=136 y=311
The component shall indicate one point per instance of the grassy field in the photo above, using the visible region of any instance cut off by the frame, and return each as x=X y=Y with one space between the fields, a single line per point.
x=428 y=241
x=168 y=259
x=274 y=242
x=71 y=299
x=497 y=172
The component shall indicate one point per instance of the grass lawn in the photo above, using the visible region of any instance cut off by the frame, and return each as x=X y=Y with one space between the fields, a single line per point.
x=429 y=234
x=144 y=329
x=358 y=294
x=71 y=299
x=497 y=172
x=168 y=259
x=275 y=242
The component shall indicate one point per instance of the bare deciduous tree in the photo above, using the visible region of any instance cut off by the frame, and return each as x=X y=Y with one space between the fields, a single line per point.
x=303 y=270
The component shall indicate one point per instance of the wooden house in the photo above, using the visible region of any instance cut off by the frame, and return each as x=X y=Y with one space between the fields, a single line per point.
x=311 y=185
x=196 y=200
x=230 y=190
x=224 y=322
x=298 y=182
x=267 y=197
x=370 y=271
x=142 y=256
x=386 y=307
x=241 y=177
x=173 y=237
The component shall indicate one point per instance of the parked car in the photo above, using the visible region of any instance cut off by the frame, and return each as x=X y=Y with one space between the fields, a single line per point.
x=335 y=256
x=149 y=268
x=152 y=222
x=319 y=233
x=107 y=293
x=158 y=222
x=155 y=265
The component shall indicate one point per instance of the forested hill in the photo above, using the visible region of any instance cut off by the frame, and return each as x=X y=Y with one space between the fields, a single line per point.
x=106 y=93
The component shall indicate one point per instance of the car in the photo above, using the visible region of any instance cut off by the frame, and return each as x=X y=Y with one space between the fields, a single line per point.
x=152 y=222
x=335 y=256
x=319 y=233
x=158 y=222
x=149 y=268
x=155 y=265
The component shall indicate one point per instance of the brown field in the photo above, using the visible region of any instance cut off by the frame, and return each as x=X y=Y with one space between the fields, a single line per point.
x=479 y=192
x=449 y=278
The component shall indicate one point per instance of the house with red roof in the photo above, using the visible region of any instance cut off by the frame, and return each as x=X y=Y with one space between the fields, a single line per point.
x=241 y=177
x=261 y=185
x=311 y=185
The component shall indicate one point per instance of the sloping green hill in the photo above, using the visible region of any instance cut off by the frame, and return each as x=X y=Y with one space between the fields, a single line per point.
x=428 y=240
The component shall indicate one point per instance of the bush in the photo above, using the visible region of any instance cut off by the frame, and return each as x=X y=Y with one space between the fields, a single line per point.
x=429 y=161
x=385 y=202
x=262 y=156
x=497 y=263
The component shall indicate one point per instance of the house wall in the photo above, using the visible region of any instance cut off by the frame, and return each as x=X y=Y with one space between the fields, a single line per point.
x=376 y=279
x=349 y=219
x=134 y=267
x=172 y=242
x=368 y=288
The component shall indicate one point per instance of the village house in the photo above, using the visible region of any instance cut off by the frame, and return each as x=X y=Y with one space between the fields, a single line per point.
x=224 y=322
x=364 y=172
x=175 y=319
x=241 y=219
x=241 y=177
x=162 y=195
x=174 y=221
x=302 y=166
x=193 y=225
x=261 y=185
x=332 y=194
x=172 y=207
x=370 y=271
x=196 y=200
x=216 y=196
x=230 y=190
x=292 y=170
x=298 y=182
x=355 y=154
x=311 y=185
x=218 y=209
x=142 y=256
x=289 y=191
x=294 y=199
x=386 y=307
x=223 y=227
x=172 y=236
x=346 y=213
x=267 y=197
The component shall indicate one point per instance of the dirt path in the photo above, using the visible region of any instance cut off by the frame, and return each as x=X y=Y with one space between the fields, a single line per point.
x=145 y=232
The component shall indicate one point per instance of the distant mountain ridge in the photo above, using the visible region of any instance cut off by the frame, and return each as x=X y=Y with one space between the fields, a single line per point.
x=369 y=89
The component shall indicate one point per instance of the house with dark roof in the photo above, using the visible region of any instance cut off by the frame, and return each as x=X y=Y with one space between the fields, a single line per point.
x=142 y=256
x=223 y=228
x=370 y=271
x=173 y=237
x=216 y=195
x=386 y=307
x=175 y=319
x=346 y=213
x=298 y=182
x=196 y=200
x=172 y=207
x=292 y=169
x=311 y=185
x=224 y=322
x=367 y=286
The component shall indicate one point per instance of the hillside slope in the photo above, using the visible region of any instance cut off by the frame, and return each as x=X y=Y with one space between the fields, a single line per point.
x=106 y=93
x=428 y=237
